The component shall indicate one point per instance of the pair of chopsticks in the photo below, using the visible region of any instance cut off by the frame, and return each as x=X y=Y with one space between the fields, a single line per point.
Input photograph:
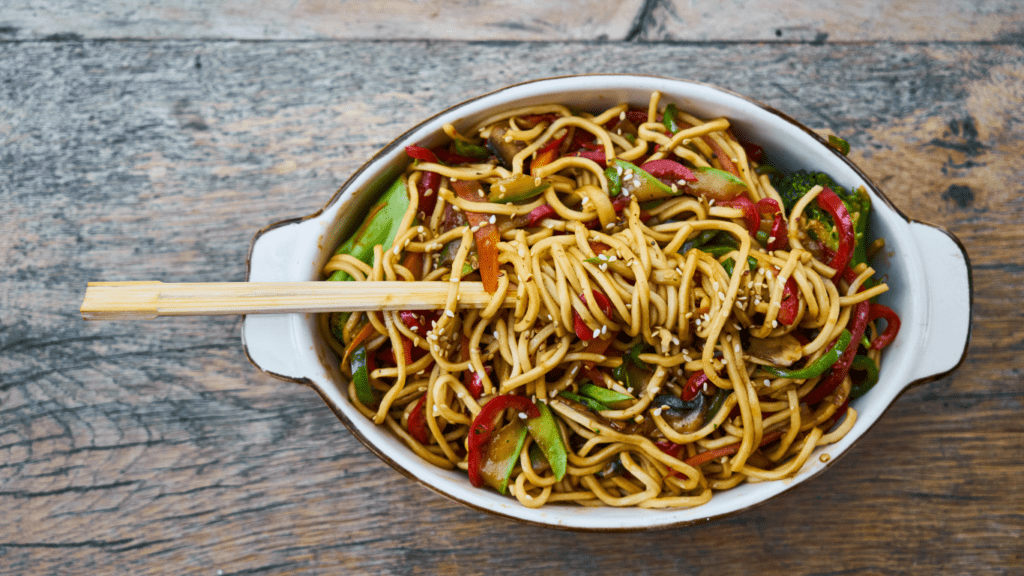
x=148 y=300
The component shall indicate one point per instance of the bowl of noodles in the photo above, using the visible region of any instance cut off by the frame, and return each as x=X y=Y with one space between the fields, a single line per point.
x=684 y=303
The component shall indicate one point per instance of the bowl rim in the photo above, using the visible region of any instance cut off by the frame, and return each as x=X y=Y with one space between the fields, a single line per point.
x=401 y=140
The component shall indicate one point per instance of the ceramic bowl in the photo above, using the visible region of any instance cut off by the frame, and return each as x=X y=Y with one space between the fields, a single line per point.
x=926 y=268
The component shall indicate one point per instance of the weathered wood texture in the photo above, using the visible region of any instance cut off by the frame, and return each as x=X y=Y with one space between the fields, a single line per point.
x=532 y=20
x=150 y=448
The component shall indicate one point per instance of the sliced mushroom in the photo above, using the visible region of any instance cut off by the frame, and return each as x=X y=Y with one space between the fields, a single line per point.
x=684 y=417
x=625 y=127
x=505 y=151
x=781 y=350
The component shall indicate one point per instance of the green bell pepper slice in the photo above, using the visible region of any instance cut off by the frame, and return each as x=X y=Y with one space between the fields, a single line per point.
x=588 y=402
x=866 y=364
x=361 y=376
x=502 y=455
x=546 y=436
x=818 y=367
x=605 y=396
x=379 y=228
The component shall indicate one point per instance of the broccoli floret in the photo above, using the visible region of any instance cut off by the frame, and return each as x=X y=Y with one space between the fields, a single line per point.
x=793 y=187
x=820 y=226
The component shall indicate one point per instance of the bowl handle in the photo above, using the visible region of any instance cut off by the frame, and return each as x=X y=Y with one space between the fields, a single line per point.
x=949 y=290
x=275 y=343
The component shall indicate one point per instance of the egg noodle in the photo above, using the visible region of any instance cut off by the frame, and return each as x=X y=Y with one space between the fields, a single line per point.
x=610 y=293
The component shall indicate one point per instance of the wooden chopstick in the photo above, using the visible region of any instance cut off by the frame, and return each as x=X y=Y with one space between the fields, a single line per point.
x=148 y=300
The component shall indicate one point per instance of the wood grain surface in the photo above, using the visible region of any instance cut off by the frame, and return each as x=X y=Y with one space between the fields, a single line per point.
x=153 y=448
x=519 y=20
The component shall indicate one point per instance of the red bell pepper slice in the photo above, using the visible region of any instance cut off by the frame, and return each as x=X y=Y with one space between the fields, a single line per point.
x=595 y=155
x=779 y=234
x=831 y=203
x=418 y=422
x=538 y=118
x=366 y=331
x=421 y=153
x=670 y=448
x=452 y=158
x=411 y=319
x=790 y=304
x=892 y=325
x=673 y=450
x=841 y=368
x=387 y=355
x=754 y=152
x=596 y=346
x=693 y=385
x=430 y=183
x=582 y=139
x=591 y=371
x=539 y=213
x=483 y=426
x=583 y=332
x=730 y=449
x=669 y=170
x=750 y=215
x=716 y=151
x=470 y=379
x=547 y=153
x=486 y=235
x=723 y=158
x=639 y=116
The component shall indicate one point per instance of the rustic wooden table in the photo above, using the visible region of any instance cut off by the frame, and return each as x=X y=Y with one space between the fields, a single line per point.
x=140 y=141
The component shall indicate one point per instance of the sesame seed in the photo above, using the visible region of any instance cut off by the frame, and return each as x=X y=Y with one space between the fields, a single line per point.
x=775 y=323
x=597 y=333
x=493 y=219
x=522 y=415
x=622 y=115
x=449 y=313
